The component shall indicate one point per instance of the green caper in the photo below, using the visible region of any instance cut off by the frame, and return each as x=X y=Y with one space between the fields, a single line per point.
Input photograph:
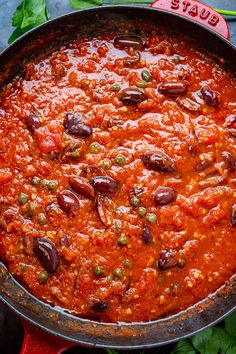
x=128 y=263
x=146 y=76
x=94 y=147
x=35 y=181
x=151 y=218
x=118 y=225
x=75 y=154
x=22 y=198
x=142 y=211
x=98 y=270
x=118 y=272
x=135 y=201
x=122 y=240
x=106 y=164
x=42 y=219
x=120 y=160
x=44 y=183
x=43 y=277
x=115 y=88
x=52 y=185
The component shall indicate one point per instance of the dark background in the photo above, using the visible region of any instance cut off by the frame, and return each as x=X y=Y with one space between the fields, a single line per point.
x=11 y=332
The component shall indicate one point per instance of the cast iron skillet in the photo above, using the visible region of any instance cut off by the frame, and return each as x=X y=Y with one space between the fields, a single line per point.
x=68 y=328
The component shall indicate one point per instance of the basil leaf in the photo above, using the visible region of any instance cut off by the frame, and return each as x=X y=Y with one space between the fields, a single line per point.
x=83 y=4
x=17 y=17
x=28 y=14
x=111 y=351
x=203 y=342
x=230 y=324
x=184 y=347
x=34 y=13
x=231 y=350
x=16 y=34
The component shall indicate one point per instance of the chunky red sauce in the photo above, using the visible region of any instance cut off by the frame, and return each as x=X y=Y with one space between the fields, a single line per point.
x=118 y=178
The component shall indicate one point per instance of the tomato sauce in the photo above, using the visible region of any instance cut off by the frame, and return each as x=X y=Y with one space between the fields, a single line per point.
x=118 y=174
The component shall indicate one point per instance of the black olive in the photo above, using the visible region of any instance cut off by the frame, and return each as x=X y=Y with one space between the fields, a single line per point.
x=68 y=202
x=230 y=160
x=233 y=215
x=166 y=260
x=210 y=97
x=132 y=96
x=147 y=235
x=72 y=123
x=32 y=122
x=81 y=186
x=104 y=184
x=158 y=161
x=172 y=89
x=47 y=253
x=164 y=196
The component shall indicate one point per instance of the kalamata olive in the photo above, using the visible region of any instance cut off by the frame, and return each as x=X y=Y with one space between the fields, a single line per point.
x=210 y=97
x=132 y=96
x=32 y=122
x=230 y=160
x=105 y=208
x=158 y=161
x=128 y=41
x=104 y=184
x=172 y=89
x=147 y=235
x=164 y=196
x=233 y=215
x=202 y=165
x=166 y=260
x=68 y=202
x=81 y=186
x=47 y=253
x=72 y=123
x=100 y=306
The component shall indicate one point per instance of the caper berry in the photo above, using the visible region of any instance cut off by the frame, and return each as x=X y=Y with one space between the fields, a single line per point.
x=151 y=218
x=120 y=160
x=23 y=198
x=43 y=277
x=98 y=270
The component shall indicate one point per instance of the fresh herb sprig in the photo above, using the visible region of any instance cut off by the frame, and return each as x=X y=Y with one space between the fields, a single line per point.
x=29 y=14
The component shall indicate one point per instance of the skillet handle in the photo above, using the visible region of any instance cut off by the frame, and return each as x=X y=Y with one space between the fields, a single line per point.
x=37 y=341
x=196 y=11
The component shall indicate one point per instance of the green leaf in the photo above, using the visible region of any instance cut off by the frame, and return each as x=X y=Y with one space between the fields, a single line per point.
x=231 y=350
x=17 y=16
x=16 y=34
x=34 y=13
x=230 y=324
x=222 y=339
x=111 y=351
x=203 y=342
x=83 y=4
x=184 y=347
x=28 y=14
